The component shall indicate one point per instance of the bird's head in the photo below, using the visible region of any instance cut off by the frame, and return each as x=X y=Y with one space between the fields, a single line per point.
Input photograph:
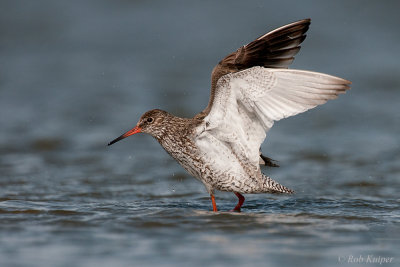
x=153 y=122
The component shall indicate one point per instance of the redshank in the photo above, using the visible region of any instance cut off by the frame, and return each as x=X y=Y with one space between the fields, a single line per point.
x=250 y=90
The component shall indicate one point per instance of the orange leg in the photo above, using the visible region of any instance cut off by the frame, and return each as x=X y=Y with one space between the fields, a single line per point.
x=213 y=203
x=240 y=203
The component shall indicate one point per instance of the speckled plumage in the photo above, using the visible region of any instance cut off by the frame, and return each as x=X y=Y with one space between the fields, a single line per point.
x=180 y=138
x=250 y=90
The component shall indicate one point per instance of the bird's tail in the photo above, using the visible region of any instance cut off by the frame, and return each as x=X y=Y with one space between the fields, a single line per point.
x=272 y=186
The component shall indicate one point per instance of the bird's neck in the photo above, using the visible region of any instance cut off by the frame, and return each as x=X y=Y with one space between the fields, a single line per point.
x=175 y=132
x=172 y=127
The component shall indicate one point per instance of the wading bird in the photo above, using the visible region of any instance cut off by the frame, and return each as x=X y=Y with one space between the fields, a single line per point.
x=250 y=90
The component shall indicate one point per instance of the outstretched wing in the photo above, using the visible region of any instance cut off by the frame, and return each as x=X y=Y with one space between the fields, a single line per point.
x=247 y=103
x=275 y=49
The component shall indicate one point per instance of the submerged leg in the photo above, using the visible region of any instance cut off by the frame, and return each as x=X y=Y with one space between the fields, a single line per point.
x=213 y=203
x=240 y=203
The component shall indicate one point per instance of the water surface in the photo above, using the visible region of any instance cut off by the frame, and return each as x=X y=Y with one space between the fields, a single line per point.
x=73 y=76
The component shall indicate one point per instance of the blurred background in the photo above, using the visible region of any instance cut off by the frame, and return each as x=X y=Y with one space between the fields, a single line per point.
x=76 y=74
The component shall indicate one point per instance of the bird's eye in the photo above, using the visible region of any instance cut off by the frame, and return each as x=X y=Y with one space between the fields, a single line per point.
x=149 y=119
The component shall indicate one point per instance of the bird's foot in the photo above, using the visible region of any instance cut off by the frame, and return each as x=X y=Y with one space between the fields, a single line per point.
x=235 y=210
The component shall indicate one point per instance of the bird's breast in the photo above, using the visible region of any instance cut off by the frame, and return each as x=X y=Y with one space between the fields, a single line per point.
x=185 y=152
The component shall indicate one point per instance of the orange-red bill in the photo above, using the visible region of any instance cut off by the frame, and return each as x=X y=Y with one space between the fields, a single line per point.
x=128 y=133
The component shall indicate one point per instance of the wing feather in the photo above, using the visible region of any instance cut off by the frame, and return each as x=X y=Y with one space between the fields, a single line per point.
x=275 y=49
x=248 y=102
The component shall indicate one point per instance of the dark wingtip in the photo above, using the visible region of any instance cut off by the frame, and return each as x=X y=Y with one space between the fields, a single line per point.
x=268 y=161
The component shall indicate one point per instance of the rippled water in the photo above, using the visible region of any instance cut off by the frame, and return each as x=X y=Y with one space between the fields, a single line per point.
x=73 y=76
